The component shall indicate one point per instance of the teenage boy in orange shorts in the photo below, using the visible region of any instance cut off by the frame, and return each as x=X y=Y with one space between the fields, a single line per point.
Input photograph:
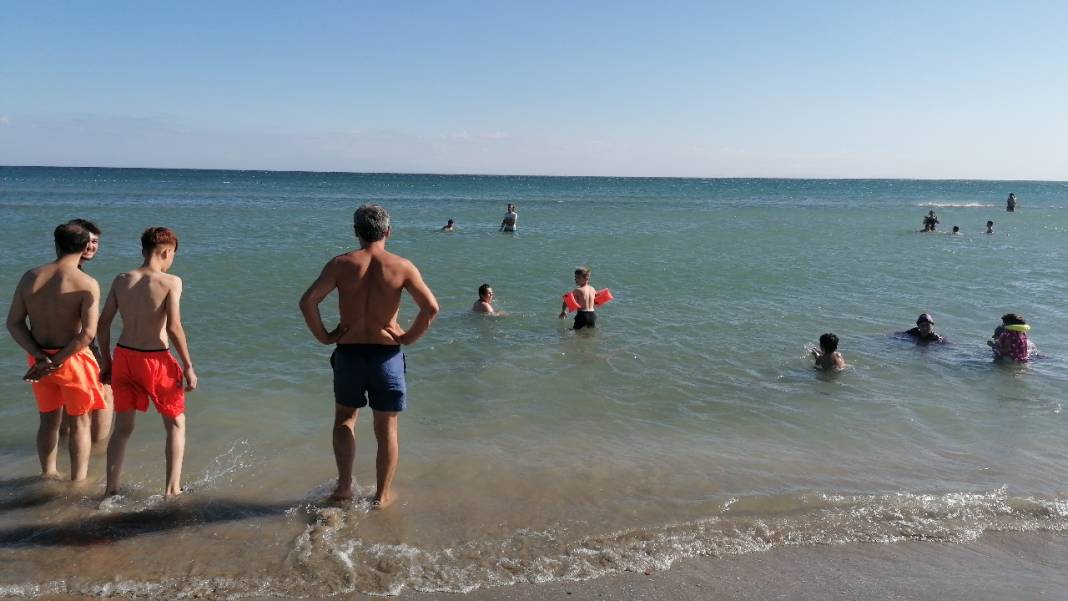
x=99 y=419
x=148 y=299
x=61 y=302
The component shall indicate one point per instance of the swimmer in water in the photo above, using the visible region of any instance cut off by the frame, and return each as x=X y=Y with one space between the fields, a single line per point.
x=990 y=227
x=956 y=231
x=448 y=227
x=1010 y=340
x=930 y=221
x=1010 y=202
x=924 y=332
x=584 y=296
x=827 y=356
x=511 y=219
x=484 y=304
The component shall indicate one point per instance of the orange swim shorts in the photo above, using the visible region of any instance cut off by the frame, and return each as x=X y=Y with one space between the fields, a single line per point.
x=137 y=375
x=74 y=386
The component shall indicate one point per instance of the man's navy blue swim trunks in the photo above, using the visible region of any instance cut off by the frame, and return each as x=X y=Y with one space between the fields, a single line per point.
x=369 y=373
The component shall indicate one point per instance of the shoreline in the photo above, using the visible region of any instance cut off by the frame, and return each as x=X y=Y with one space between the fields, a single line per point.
x=995 y=567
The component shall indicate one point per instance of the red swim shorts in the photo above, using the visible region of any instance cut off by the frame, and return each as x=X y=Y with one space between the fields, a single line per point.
x=138 y=375
x=75 y=386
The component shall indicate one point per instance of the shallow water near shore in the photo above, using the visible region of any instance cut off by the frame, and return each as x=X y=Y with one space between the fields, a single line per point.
x=689 y=423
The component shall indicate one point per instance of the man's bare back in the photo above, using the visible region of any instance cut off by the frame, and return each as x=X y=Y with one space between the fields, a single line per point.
x=369 y=282
x=369 y=285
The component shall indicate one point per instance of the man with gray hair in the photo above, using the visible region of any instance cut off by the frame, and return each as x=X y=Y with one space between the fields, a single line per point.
x=368 y=363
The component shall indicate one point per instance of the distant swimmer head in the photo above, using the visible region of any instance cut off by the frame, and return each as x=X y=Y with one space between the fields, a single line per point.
x=956 y=229
x=828 y=343
x=371 y=223
x=925 y=318
x=1012 y=319
x=485 y=292
x=989 y=224
x=70 y=238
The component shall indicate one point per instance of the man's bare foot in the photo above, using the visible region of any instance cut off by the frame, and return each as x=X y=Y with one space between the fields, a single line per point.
x=343 y=492
x=51 y=476
x=382 y=501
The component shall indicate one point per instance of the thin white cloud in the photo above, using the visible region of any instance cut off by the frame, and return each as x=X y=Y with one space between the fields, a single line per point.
x=467 y=136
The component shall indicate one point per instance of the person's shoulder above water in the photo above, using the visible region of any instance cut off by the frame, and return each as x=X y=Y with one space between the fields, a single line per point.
x=484 y=304
x=827 y=357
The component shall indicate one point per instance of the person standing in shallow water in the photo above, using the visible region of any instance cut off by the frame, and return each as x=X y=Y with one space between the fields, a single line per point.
x=368 y=363
x=148 y=300
x=53 y=316
x=930 y=221
x=1010 y=202
x=511 y=219
x=100 y=419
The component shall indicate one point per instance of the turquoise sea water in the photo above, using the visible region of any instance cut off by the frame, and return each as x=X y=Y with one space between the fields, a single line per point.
x=689 y=423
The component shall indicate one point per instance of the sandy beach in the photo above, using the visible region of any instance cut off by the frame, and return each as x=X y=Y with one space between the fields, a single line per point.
x=996 y=567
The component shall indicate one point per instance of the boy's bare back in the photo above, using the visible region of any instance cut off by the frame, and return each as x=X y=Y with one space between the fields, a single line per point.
x=584 y=296
x=144 y=298
x=830 y=361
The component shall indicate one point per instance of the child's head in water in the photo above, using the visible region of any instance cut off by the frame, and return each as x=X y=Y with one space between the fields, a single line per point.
x=828 y=343
x=1012 y=319
x=956 y=229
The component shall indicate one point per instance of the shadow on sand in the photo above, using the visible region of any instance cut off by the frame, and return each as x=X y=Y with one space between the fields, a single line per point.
x=114 y=527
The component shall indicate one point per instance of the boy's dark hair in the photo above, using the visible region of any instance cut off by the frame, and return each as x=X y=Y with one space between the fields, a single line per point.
x=372 y=222
x=989 y=223
x=70 y=238
x=829 y=342
x=483 y=289
x=1012 y=319
x=583 y=271
x=956 y=228
x=88 y=225
x=157 y=236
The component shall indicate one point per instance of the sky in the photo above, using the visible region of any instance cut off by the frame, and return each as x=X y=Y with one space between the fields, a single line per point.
x=971 y=90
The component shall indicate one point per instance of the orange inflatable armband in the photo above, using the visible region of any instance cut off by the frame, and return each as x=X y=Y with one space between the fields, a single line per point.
x=572 y=304
x=603 y=296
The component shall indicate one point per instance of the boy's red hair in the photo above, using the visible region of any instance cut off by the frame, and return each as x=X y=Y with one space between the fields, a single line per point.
x=158 y=236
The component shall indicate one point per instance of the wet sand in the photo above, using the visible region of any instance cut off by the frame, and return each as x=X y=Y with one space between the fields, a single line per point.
x=996 y=567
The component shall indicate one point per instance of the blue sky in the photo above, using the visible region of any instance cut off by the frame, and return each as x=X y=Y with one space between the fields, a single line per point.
x=702 y=89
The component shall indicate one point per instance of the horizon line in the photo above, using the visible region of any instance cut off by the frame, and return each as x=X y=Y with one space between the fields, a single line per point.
x=537 y=175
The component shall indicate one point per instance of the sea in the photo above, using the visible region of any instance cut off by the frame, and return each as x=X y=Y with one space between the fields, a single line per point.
x=690 y=422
